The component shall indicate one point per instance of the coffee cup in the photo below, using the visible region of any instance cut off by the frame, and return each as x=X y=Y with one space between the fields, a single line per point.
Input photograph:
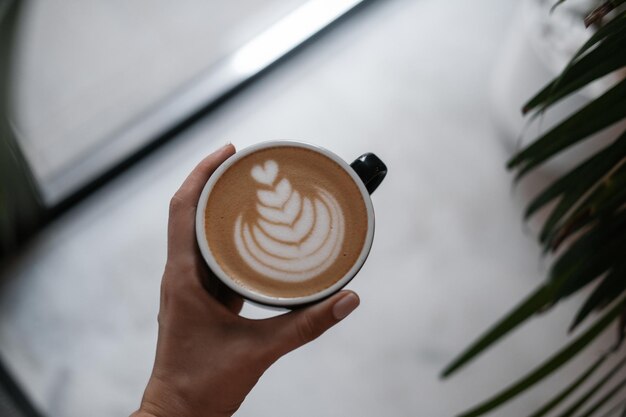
x=286 y=223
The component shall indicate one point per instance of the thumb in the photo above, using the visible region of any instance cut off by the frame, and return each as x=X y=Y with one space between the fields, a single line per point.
x=294 y=329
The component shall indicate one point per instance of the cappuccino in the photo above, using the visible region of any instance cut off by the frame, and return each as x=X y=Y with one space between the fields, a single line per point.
x=285 y=222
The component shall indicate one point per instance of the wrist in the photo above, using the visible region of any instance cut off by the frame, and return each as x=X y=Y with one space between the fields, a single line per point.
x=161 y=399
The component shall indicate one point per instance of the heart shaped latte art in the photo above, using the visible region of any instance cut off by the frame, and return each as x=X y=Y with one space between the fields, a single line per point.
x=265 y=174
x=292 y=238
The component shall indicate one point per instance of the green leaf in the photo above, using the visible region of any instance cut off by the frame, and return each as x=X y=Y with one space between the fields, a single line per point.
x=613 y=28
x=606 y=199
x=591 y=391
x=615 y=409
x=532 y=304
x=589 y=244
x=602 y=401
x=603 y=60
x=557 y=4
x=551 y=365
x=590 y=256
x=537 y=301
x=569 y=389
x=574 y=184
x=610 y=28
x=609 y=289
x=597 y=115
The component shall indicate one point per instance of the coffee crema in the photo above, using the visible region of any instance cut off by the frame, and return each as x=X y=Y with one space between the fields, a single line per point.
x=286 y=222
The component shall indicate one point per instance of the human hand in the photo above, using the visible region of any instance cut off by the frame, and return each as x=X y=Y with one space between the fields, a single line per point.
x=208 y=357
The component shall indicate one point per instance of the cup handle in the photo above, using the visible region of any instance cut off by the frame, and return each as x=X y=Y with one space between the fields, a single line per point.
x=370 y=169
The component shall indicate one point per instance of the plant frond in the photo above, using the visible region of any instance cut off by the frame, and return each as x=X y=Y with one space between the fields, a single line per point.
x=604 y=399
x=592 y=390
x=572 y=186
x=609 y=289
x=563 y=395
x=605 y=58
x=551 y=365
x=535 y=302
x=601 y=113
x=616 y=408
x=577 y=66
x=608 y=197
x=593 y=254
x=586 y=227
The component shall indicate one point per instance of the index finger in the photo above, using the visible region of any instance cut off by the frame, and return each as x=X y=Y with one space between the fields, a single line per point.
x=189 y=192
x=181 y=228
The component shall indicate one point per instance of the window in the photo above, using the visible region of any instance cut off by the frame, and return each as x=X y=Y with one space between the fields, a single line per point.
x=98 y=81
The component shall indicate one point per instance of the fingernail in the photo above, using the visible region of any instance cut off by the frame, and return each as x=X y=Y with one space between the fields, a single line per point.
x=345 y=306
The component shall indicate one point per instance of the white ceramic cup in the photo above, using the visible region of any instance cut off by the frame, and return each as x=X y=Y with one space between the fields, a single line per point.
x=367 y=172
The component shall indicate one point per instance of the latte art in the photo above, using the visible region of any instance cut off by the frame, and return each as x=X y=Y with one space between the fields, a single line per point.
x=291 y=237
x=284 y=222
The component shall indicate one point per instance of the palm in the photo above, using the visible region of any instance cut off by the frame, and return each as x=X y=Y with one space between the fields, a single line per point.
x=586 y=226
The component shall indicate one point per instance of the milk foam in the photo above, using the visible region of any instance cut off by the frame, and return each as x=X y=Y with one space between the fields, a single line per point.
x=292 y=237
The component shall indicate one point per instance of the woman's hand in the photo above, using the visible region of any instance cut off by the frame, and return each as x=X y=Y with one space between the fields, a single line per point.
x=208 y=357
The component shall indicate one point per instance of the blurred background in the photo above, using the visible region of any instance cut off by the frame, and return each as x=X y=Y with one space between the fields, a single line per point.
x=113 y=103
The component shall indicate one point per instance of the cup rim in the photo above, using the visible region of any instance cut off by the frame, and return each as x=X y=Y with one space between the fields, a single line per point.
x=263 y=298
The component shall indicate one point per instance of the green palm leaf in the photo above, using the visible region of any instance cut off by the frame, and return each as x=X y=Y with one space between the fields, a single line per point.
x=586 y=225
x=549 y=366
x=587 y=66
x=615 y=410
x=595 y=388
x=609 y=289
x=563 y=395
x=552 y=364
x=570 y=272
x=595 y=116
x=606 y=199
x=533 y=303
x=590 y=255
x=602 y=401
x=574 y=185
